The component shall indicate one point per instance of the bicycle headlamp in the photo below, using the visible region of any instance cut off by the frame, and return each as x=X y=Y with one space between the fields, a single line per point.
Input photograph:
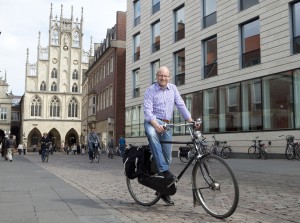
x=197 y=134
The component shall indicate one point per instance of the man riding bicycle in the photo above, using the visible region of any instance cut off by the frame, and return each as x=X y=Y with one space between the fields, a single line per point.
x=93 y=143
x=44 y=145
x=159 y=102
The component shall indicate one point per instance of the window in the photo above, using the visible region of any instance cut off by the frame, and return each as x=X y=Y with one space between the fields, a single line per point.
x=154 y=67
x=155 y=37
x=209 y=13
x=244 y=4
x=53 y=87
x=73 y=108
x=75 y=75
x=74 y=88
x=35 y=106
x=15 y=116
x=210 y=111
x=111 y=65
x=54 y=107
x=296 y=27
x=137 y=47
x=250 y=44
x=111 y=95
x=43 y=86
x=180 y=68
x=210 y=58
x=278 y=101
x=136 y=83
x=155 y=6
x=229 y=108
x=251 y=105
x=137 y=12
x=179 y=24
x=297 y=96
x=3 y=113
x=76 y=42
x=55 y=37
x=54 y=73
x=92 y=105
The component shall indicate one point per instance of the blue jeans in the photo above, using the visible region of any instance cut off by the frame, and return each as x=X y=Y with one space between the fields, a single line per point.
x=162 y=153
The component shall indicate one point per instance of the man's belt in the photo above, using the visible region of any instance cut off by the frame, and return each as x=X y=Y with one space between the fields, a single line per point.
x=165 y=120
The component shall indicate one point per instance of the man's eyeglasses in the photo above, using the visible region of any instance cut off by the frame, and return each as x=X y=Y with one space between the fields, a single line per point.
x=162 y=76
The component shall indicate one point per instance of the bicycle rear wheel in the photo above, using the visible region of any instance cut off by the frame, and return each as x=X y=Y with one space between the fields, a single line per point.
x=184 y=159
x=226 y=152
x=141 y=194
x=253 y=152
x=215 y=186
x=289 y=152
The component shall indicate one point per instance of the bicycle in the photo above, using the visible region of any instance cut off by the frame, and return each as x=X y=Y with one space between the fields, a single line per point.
x=45 y=156
x=223 y=151
x=185 y=153
x=292 y=148
x=95 y=154
x=257 y=150
x=214 y=185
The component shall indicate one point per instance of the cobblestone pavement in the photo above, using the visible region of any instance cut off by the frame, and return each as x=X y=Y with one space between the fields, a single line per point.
x=269 y=190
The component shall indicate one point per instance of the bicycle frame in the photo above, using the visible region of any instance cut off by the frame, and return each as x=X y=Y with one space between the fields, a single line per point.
x=194 y=142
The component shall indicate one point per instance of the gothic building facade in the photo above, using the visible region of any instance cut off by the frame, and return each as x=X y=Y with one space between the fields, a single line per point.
x=52 y=99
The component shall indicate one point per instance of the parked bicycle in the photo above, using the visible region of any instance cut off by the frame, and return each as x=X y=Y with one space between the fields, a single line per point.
x=292 y=150
x=185 y=153
x=220 y=148
x=214 y=185
x=257 y=150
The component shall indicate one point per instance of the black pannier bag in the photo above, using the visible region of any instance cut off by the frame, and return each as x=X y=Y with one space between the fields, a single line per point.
x=158 y=183
x=183 y=151
x=137 y=161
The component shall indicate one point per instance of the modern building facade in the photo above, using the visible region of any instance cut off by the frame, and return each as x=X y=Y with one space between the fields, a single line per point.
x=236 y=64
x=104 y=85
x=52 y=99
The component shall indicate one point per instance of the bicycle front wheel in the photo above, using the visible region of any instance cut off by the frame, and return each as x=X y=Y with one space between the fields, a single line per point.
x=226 y=152
x=264 y=153
x=297 y=151
x=289 y=152
x=97 y=156
x=253 y=152
x=47 y=157
x=141 y=194
x=215 y=186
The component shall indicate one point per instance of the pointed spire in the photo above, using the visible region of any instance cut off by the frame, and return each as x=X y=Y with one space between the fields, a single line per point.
x=51 y=12
x=39 y=39
x=81 y=14
x=5 y=76
x=91 y=46
x=27 y=55
x=72 y=12
x=61 y=11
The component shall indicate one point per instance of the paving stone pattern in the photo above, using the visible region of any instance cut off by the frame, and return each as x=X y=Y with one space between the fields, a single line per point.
x=269 y=190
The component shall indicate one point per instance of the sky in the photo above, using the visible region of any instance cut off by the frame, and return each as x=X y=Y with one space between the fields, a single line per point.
x=21 y=21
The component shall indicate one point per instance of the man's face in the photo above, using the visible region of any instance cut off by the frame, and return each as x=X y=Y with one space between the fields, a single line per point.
x=163 y=77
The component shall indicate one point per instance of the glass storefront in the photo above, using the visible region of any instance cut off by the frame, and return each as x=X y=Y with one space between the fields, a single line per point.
x=266 y=103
